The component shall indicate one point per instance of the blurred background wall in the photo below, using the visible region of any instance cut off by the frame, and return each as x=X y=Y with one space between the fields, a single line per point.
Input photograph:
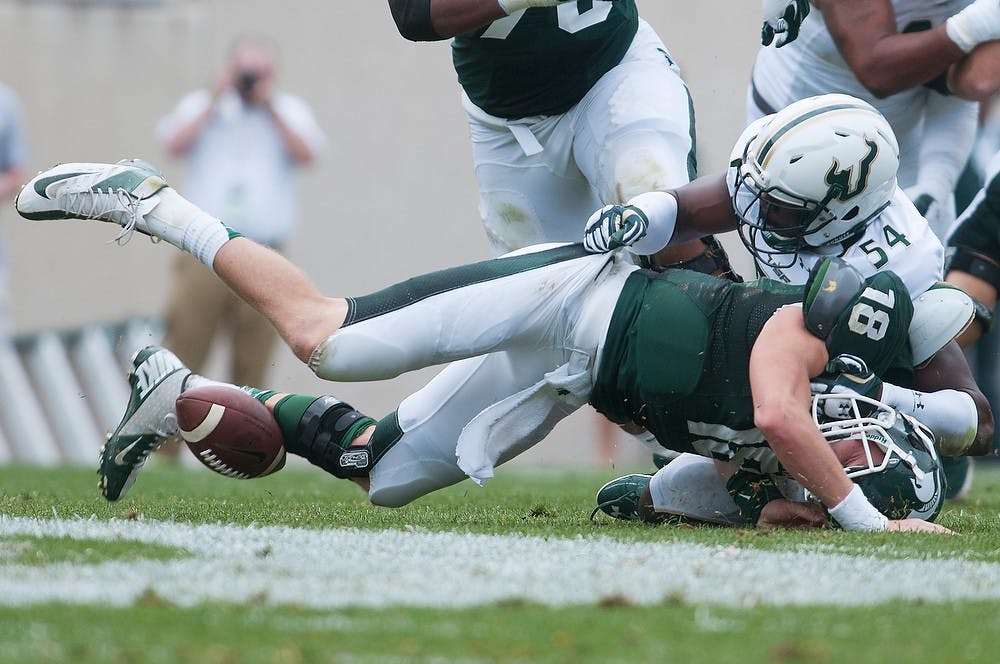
x=394 y=195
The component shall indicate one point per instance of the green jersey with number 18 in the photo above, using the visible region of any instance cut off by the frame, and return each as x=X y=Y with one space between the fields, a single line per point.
x=543 y=60
x=676 y=355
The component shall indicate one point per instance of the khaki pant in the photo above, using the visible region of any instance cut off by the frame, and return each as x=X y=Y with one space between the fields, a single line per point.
x=200 y=307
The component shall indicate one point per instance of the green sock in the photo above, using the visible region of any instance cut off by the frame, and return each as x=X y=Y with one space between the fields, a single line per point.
x=260 y=395
x=288 y=411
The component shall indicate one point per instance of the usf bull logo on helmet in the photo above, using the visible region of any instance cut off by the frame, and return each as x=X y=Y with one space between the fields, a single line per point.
x=814 y=174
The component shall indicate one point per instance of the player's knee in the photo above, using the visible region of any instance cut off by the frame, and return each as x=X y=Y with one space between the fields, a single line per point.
x=412 y=482
x=510 y=220
x=351 y=356
x=647 y=167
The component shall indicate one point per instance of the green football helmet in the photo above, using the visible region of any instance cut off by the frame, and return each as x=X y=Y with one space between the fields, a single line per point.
x=902 y=475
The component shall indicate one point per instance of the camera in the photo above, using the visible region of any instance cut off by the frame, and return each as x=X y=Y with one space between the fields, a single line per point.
x=246 y=81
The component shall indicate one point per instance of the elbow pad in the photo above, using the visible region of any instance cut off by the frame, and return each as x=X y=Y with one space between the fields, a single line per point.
x=413 y=19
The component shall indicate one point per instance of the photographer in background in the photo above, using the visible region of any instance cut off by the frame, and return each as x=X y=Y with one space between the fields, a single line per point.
x=242 y=141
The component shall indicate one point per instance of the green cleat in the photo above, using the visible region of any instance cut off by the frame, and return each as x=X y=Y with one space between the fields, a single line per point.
x=157 y=379
x=619 y=498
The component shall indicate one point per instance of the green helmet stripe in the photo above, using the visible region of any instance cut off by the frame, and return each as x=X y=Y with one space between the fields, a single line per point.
x=762 y=154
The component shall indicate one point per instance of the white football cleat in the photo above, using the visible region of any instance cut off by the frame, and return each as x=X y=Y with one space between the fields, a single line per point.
x=132 y=194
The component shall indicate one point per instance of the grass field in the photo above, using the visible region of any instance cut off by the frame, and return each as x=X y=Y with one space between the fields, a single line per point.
x=299 y=568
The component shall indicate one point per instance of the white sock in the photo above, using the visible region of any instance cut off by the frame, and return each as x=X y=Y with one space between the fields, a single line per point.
x=197 y=380
x=204 y=237
x=186 y=226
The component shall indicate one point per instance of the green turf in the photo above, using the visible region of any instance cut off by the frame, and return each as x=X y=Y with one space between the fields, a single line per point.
x=517 y=501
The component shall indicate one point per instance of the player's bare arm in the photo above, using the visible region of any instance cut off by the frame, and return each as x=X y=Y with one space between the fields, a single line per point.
x=783 y=359
x=977 y=75
x=429 y=20
x=885 y=61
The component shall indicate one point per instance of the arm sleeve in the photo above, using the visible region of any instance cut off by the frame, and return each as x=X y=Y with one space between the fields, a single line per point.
x=660 y=209
x=949 y=131
x=413 y=19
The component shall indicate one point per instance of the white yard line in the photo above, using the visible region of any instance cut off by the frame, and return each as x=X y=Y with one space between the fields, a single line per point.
x=337 y=568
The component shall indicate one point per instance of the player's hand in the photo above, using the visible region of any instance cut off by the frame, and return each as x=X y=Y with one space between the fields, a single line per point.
x=783 y=513
x=918 y=526
x=847 y=375
x=614 y=226
x=930 y=205
x=511 y=6
x=782 y=19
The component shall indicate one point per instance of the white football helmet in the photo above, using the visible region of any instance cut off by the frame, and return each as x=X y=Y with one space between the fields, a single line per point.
x=908 y=480
x=815 y=174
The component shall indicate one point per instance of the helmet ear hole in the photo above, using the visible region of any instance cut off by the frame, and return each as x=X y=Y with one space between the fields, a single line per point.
x=851 y=214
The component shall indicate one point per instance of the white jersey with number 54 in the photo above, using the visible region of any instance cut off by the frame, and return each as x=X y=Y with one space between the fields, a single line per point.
x=898 y=239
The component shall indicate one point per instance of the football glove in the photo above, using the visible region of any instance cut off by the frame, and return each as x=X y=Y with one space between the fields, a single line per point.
x=782 y=19
x=931 y=205
x=614 y=226
x=511 y=6
x=847 y=375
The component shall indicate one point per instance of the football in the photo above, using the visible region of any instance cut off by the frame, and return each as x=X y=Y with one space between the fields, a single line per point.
x=230 y=432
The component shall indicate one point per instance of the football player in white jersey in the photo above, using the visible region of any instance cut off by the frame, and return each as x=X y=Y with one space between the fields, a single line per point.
x=814 y=180
x=895 y=54
x=974 y=247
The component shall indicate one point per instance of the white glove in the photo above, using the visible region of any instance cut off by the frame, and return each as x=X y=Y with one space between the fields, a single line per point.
x=932 y=203
x=614 y=226
x=511 y=6
x=784 y=18
x=977 y=23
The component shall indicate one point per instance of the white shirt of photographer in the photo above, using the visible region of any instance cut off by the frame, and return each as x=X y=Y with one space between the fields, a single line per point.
x=238 y=168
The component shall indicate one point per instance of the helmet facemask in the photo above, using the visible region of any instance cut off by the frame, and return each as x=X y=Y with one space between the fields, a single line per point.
x=773 y=222
x=900 y=473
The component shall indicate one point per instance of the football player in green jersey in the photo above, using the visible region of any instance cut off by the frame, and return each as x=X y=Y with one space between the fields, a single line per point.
x=571 y=105
x=674 y=351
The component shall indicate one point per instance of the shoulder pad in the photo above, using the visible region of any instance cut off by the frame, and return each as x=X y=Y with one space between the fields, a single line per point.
x=939 y=315
x=833 y=283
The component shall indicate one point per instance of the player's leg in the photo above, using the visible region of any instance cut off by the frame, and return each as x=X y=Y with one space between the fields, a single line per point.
x=530 y=190
x=974 y=257
x=634 y=133
x=134 y=195
x=413 y=450
x=690 y=486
